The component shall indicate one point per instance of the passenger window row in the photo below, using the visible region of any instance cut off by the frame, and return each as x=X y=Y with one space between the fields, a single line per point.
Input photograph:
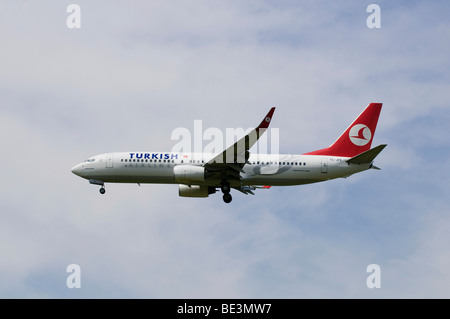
x=147 y=160
x=278 y=163
x=198 y=162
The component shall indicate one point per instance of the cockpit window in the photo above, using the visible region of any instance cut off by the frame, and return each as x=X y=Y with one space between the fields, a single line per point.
x=89 y=160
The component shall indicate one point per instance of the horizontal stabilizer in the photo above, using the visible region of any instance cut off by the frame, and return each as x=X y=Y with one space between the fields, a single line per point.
x=367 y=156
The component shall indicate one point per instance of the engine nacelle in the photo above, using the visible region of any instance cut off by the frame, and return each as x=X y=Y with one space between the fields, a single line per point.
x=195 y=190
x=189 y=173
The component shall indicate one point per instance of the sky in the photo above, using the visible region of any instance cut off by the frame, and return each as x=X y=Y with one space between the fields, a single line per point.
x=133 y=73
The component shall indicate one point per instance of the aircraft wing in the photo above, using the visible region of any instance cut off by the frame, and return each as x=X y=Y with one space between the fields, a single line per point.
x=249 y=189
x=230 y=162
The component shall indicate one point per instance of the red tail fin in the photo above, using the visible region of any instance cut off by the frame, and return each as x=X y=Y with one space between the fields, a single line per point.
x=358 y=137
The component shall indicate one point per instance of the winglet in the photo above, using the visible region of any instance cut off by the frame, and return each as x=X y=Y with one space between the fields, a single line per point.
x=263 y=187
x=238 y=153
x=266 y=121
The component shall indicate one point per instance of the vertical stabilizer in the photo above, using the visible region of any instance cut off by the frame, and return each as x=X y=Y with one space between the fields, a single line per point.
x=358 y=137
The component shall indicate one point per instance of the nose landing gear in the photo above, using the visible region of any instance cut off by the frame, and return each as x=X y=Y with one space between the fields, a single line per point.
x=101 y=183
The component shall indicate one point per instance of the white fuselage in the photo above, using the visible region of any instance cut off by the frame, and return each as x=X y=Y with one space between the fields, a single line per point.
x=261 y=169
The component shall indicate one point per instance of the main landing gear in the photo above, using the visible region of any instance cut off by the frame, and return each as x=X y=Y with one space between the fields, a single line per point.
x=226 y=191
x=102 y=190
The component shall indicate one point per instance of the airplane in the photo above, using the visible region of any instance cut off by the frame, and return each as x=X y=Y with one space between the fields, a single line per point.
x=201 y=174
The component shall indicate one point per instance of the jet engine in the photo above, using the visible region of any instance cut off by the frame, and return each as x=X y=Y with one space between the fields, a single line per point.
x=195 y=190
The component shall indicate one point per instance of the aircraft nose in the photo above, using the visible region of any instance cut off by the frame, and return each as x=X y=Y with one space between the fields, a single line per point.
x=76 y=170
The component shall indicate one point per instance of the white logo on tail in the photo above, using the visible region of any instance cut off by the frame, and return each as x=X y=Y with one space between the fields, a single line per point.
x=360 y=134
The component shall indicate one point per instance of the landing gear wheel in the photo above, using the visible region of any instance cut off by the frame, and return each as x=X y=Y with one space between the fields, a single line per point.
x=227 y=198
x=225 y=188
x=102 y=190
